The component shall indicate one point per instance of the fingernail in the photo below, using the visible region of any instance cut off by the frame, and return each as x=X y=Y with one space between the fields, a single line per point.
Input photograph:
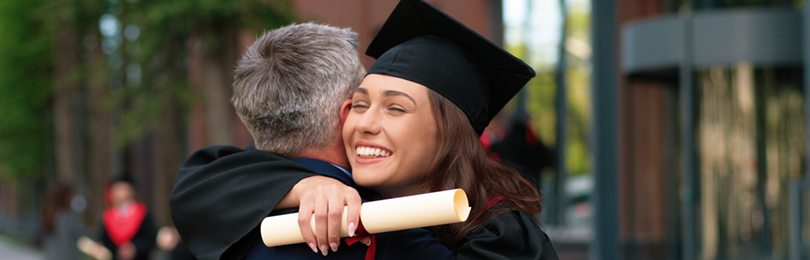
x=313 y=247
x=324 y=250
x=352 y=229
x=334 y=246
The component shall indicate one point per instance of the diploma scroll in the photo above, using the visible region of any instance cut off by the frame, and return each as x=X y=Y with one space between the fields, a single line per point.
x=423 y=210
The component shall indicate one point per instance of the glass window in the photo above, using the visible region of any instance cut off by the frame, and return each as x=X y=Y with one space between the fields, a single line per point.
x=750 y=143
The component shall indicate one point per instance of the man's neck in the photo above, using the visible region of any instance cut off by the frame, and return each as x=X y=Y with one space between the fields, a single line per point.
x=330 y=155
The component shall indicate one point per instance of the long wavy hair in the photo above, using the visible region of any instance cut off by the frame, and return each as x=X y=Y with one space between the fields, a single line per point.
x=58 y=200
x=462 y=162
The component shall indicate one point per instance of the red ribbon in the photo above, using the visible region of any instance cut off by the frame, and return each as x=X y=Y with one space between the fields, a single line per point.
x=494 y=201
x=360 y=234
x=490 y=203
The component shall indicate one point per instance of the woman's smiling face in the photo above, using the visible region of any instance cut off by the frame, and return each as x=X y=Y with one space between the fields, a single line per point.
x=390 y=135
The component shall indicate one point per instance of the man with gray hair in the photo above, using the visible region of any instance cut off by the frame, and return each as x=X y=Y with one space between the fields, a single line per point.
x=291 y=90
x=290 y=84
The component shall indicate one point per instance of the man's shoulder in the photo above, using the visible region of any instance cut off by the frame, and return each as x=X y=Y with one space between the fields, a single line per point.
x=229 y=154
x=226 y=160
x=218 y=151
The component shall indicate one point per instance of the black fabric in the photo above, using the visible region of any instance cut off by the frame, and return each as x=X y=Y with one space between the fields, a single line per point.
x=222 y=194
x=219 y=221
x=181 y=252
x=512 y=236
x=422 y=44
x=417 y=243
x=144 y=239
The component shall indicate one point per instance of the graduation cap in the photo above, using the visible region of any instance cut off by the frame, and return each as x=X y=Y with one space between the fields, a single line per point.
x=123 y=177
x=422 y=44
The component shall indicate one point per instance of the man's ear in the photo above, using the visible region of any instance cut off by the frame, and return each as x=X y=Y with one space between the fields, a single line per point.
x=344 y=110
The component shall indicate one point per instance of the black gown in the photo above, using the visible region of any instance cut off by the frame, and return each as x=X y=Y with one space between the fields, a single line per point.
x=222 y=194
x=511 y=236
x=221 y=191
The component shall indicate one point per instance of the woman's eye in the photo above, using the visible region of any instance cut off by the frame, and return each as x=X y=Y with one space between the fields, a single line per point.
x=397 y=109
x=361 y=107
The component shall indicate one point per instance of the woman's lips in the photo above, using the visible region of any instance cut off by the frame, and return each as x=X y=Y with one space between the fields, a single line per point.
x=361 y=160
x=369 y=153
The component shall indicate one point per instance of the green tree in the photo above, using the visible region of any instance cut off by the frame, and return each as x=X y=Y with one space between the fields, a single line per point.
x=174 y=31
x=25 y=86
x=80 y=96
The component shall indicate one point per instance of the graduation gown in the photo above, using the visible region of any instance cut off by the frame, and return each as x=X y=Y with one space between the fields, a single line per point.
x=223 y=193
x=143 y=240
x=416 y=243
x=511 y=236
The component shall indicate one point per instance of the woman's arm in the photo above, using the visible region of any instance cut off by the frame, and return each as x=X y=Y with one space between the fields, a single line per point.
x=324 y=199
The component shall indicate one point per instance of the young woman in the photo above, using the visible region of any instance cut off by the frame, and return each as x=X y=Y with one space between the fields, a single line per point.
x=62 y=226
x=417 y=141
x=414 y=123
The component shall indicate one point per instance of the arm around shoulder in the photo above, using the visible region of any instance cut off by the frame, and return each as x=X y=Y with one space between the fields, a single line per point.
x=209 y=183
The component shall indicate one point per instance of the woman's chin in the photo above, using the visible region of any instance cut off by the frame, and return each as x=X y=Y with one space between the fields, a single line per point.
x=366 y=182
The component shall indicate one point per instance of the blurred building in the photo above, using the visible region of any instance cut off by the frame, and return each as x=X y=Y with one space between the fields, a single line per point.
x=711 y=120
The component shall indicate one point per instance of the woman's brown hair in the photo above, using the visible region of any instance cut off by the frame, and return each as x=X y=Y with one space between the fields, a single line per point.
x=58 y=200
x=461 y=162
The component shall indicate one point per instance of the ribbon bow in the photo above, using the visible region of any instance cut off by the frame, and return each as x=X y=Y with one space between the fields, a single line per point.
x=360 y=234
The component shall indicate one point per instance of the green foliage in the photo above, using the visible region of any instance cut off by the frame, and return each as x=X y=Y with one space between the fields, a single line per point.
x=162 y=50
x=25 y=86
x=542 y=90
x=28 y=29
x=578 y=79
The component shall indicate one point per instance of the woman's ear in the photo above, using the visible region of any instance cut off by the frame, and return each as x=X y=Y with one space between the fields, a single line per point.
x=344 y=110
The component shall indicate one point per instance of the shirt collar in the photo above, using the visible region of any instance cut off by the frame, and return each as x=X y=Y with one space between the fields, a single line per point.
x=343 y=170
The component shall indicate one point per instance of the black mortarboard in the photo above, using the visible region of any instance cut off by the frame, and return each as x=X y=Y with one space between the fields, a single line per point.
x=422 y=44
x=123 y=177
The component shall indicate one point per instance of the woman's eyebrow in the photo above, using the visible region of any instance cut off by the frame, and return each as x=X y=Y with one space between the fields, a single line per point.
x=361 y=91
x=391 y=93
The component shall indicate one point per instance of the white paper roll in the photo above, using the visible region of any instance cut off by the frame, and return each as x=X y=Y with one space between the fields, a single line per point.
x=423 y=210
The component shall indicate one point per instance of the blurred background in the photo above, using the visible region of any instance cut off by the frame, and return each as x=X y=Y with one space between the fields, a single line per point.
x=655 y=129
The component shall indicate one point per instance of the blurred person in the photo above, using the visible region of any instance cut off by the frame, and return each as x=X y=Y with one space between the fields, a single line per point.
x=521 y=149
x=127 y=227
x=61 y=224
x=288 y=90
x=494 y=132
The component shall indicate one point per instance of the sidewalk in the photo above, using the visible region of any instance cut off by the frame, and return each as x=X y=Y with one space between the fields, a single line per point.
x=12 y=251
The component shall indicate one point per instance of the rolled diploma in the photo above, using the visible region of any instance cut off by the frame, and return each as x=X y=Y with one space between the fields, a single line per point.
x=416 y=211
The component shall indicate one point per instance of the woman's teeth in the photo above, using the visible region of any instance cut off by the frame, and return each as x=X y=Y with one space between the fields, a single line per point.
x=368 y=152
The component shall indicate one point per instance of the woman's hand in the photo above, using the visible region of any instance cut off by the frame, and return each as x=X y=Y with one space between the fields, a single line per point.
x=325 y=198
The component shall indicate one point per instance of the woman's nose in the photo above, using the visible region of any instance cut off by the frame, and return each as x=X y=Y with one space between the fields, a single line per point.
x=369 y=122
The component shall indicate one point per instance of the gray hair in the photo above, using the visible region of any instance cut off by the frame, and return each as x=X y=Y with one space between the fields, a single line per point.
x=290 y=84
